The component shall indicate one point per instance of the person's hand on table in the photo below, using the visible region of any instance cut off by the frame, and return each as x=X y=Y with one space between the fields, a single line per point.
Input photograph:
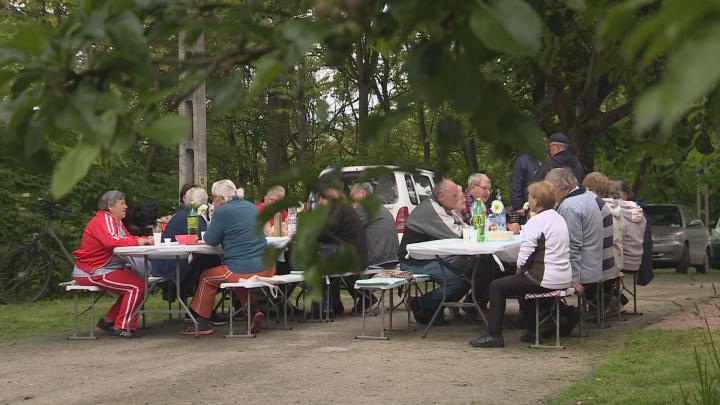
x=514 y=227
x=579 y=289
x=145 y=240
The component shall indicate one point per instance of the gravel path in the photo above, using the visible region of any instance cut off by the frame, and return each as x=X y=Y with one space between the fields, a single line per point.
x=320 y=363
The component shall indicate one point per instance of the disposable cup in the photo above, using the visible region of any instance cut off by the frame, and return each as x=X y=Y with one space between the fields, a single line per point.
x=202 y=235
x=167 y=241
x=157 y=238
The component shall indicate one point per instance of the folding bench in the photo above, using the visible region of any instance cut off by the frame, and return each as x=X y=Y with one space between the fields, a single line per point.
x=386 y=284
x=249 y=285
x=94 y=297
x=556 y=295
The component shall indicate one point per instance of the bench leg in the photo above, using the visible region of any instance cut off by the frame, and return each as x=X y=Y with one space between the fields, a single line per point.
x=382 y=320
x=76 y=317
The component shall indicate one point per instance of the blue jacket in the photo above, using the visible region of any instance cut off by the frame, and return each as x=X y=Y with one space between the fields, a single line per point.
x=233 y=226
x=523 y=172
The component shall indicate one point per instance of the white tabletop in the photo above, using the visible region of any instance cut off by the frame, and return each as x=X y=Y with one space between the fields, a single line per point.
x=174 y=250
x=506 y=251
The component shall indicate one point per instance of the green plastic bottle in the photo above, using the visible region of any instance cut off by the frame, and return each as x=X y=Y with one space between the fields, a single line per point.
x=479 y=220
x=193 y=223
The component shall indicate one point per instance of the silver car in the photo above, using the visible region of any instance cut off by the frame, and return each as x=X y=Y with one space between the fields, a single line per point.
x=680 y=239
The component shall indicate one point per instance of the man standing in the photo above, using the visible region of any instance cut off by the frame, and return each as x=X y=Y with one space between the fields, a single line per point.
x=380 y=231
x=479 y=186
x=560 y=156
x=523 y=172
x=435 y=219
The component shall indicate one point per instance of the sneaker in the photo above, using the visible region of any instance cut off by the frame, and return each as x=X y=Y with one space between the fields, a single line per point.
x=106 y=326
x=488 y=341
x=123 y=334
x=204 y=328
x=257 y=322
x=218 y=319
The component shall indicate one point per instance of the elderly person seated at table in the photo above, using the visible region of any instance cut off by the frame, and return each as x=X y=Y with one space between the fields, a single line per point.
x=343 y=227
x=272 y=196
x=543 y=263
x=380 y=231
x=233 y=227
x=96 y=265
x=434 y=219
x=189 y=272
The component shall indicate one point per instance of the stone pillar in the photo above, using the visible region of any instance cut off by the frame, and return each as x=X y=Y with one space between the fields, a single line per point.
x=193 y=150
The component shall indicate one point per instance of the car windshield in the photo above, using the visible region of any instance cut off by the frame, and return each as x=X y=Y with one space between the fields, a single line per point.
x=384 y=186
x=663 y=215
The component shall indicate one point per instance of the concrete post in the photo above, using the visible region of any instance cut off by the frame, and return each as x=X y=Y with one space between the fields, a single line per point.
x=193 y=150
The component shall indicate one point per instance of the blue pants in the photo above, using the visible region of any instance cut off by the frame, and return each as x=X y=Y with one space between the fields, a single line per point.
x=456 y=286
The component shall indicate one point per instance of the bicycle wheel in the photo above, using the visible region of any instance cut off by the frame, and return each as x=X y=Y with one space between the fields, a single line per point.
x=24 y=275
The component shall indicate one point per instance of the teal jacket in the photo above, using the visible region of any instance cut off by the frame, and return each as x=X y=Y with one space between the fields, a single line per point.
x=233 y=227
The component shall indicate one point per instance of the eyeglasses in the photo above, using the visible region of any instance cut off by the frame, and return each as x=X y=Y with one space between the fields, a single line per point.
x=488 y=189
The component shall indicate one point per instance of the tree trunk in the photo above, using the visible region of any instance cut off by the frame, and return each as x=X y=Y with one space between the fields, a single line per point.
x=469 y=148
x=422 y=130
x=277 y=129
x=301 y=114
x=366 y=62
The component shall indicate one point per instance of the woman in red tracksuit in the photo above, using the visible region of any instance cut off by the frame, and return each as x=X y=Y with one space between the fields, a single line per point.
x=95 y=264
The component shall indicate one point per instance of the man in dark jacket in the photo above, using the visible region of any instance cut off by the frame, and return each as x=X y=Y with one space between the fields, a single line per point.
x=344 y=226
x=560 y=156
x=523 y=172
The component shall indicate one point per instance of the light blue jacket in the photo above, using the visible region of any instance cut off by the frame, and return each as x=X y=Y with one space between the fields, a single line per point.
x=585 y=226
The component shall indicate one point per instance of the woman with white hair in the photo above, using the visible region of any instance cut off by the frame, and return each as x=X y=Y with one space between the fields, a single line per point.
x=96 y=265
x=189 y=273
x=233 y=227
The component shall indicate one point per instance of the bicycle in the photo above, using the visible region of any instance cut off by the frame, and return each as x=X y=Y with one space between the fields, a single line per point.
x=25 y=271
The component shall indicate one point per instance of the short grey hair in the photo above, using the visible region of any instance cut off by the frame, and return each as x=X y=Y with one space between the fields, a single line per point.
x=110 y=198
x=562 y=177
x=477 y=178
x=441 y=188
x=196 y=195
x=227 y=190
x=365 y=186
x=277 y=190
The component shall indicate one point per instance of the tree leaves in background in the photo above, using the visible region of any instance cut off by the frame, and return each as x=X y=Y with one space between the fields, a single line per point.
x=168 y=130
x=72 y=167
x=508 y=26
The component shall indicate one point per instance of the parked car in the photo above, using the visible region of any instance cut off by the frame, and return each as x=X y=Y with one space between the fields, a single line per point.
x=715 y=245
x=400 y=192
x=680 y=239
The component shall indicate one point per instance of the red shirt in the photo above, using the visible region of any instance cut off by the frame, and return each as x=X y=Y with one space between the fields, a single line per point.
x=260 y=206
x=102 y=234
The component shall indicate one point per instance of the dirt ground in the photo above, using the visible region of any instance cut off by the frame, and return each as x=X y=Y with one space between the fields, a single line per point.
x=322 y=362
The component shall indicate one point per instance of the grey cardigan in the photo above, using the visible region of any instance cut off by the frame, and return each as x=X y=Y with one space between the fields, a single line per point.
x=585 y=226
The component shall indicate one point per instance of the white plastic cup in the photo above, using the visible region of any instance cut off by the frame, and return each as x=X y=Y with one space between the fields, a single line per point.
x=468 y=234
x=157 y=238
x=167 y=241
x=202 y=236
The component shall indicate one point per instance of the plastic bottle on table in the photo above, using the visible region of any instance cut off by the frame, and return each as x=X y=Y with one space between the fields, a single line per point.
x=292 y=221
x=193 y=223
x=478 y=221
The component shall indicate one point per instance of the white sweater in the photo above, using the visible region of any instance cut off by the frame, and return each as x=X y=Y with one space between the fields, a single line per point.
x=545 y=250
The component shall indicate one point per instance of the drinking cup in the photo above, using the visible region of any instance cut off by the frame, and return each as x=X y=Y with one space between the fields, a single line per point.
x=167 y=241
x=157 y=238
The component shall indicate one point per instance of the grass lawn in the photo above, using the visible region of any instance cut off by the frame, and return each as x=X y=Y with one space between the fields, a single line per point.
x=650 y=368
x=21 y=321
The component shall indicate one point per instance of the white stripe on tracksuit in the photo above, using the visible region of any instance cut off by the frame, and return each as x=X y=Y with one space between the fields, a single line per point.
x=208 y=279
x=134 y=294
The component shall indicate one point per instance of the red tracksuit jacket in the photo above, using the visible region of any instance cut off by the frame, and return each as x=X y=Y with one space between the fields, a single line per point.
x=101 y=236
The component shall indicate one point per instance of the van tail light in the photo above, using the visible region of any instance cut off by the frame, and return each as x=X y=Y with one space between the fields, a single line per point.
x=401 y=218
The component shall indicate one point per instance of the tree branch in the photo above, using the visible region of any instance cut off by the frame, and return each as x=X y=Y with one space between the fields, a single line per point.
x=604 y=120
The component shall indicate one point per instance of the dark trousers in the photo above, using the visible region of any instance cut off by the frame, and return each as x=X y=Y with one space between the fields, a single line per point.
x=500 y=290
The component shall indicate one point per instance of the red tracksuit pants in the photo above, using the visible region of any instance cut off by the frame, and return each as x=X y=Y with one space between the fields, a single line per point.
x=130 y=289
x=210 y=281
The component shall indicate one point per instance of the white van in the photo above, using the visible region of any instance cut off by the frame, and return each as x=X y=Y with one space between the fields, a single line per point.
x=400 y=192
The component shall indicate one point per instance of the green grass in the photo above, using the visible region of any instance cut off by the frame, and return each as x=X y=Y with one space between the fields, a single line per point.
x=49 y=317
x=650 y=368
